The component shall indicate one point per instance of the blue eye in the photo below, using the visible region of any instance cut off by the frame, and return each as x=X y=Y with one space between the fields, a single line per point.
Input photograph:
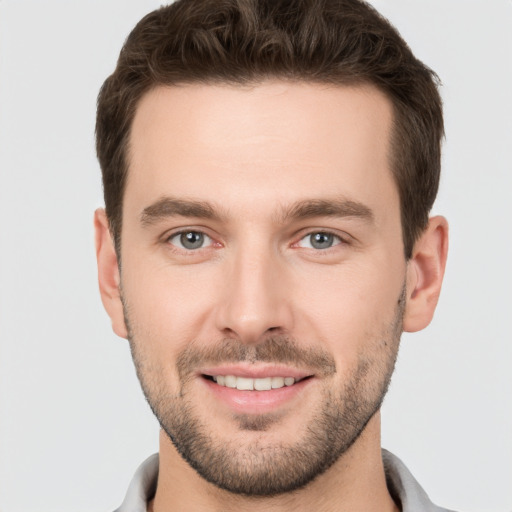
x=320 y=240
x=190 y=240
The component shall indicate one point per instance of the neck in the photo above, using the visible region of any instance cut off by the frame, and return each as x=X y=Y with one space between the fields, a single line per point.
x=355 y=482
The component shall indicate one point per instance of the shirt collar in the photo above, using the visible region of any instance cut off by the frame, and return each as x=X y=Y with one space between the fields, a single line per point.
x=404 y=488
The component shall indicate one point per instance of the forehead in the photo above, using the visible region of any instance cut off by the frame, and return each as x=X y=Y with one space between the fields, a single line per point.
x=279 y=140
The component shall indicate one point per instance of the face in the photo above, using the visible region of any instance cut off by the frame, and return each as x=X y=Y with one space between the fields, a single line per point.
x=262 y=274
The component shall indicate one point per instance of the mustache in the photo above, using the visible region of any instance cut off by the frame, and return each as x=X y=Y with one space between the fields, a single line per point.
x=273 y=350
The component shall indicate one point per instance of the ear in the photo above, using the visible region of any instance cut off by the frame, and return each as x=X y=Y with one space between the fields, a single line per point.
x=108 y=273
x=425 y=271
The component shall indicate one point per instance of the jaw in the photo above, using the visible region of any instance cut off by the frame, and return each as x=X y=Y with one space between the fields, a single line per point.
x=354 y=482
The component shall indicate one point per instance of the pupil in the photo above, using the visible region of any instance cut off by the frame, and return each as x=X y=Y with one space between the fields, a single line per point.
x=321 y=240
x=192 y=240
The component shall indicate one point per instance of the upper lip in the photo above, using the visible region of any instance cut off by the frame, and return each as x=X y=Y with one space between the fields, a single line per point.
x=255 y=371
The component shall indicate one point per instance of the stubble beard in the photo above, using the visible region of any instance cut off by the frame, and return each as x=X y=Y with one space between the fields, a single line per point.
x=262 y=468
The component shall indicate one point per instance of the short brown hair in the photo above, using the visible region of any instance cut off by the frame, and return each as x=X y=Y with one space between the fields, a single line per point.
x=247 y=41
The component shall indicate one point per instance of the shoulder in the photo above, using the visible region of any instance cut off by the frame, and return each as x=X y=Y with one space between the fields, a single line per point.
x=142 y=487
x=404 y=488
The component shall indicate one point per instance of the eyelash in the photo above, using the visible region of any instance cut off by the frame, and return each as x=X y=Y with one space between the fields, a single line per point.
x=338 y=240
x=186 y=232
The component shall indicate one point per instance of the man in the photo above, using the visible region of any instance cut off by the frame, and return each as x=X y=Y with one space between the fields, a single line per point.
x=268 y=171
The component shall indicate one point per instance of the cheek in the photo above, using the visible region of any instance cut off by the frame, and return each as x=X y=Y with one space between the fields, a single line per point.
x=167 y=308
x=352 y=310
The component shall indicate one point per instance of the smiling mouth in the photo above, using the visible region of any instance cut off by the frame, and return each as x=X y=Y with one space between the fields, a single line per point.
x=257 y=384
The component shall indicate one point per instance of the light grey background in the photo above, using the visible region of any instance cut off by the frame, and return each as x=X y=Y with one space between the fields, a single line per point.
x=73 y=422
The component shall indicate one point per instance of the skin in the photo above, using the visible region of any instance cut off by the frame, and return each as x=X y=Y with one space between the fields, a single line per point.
x=253 y=154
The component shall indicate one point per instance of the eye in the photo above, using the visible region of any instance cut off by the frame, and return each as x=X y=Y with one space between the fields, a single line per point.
x=190 y=240
x=319 y=240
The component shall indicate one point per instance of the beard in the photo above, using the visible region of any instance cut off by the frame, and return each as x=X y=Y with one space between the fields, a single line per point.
x=254 y=466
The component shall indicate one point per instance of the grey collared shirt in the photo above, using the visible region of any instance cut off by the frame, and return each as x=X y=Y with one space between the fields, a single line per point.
x=402 y=486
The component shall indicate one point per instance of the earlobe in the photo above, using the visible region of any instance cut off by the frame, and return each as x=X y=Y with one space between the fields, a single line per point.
x=108 y=273
x=425 y=271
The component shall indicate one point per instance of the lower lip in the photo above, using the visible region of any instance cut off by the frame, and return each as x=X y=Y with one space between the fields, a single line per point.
x=257 y=402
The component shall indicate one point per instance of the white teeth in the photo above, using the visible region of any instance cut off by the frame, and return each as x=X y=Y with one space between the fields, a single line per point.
x=248 y=384
x=277 y=382
x=230 y=381
x=244 y=384
x=263 y=384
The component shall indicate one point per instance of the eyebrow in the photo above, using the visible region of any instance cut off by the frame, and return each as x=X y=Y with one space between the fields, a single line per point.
x=171 y=207
x=328 y=208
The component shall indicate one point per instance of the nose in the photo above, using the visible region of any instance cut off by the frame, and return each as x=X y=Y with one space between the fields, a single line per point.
x=255 y=302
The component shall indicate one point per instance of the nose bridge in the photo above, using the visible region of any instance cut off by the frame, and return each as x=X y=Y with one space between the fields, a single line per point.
x=255 y=301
